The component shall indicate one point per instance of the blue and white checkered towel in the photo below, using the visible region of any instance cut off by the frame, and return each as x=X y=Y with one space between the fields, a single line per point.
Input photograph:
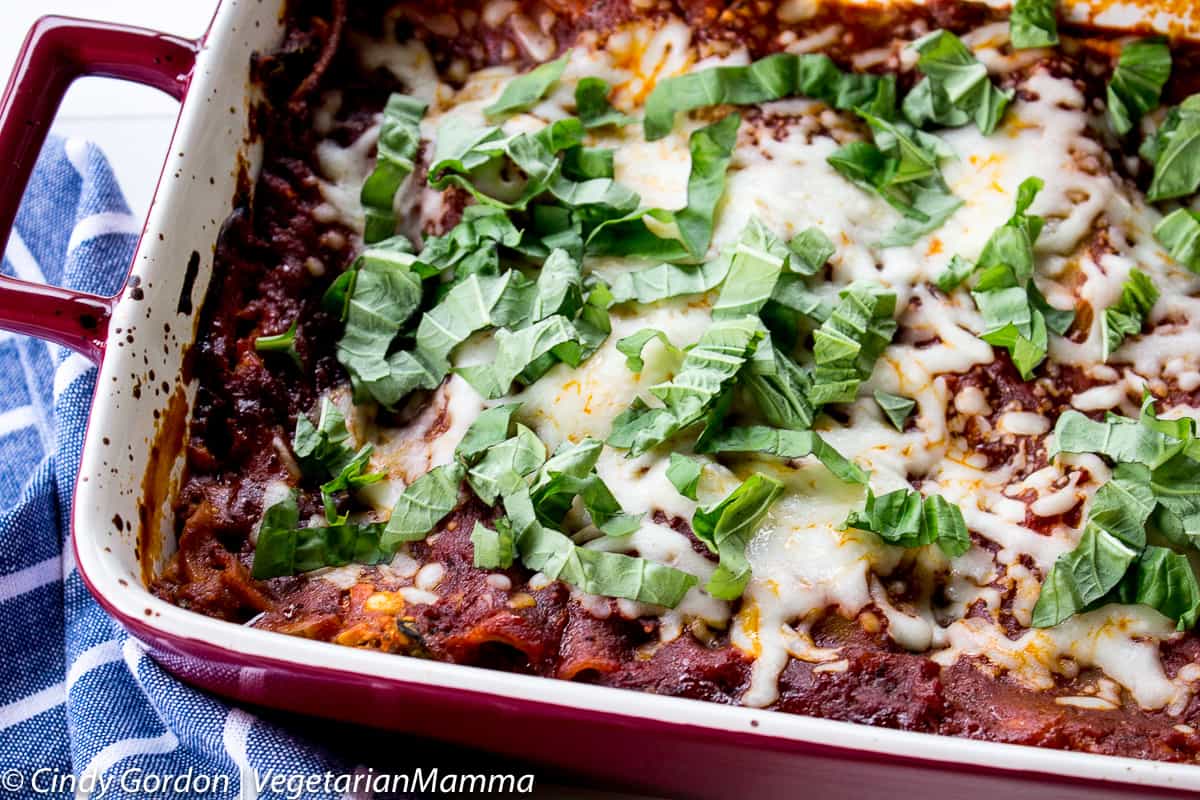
x=79 y=699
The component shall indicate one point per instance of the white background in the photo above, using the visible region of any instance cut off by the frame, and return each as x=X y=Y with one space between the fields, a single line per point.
x=133 y=124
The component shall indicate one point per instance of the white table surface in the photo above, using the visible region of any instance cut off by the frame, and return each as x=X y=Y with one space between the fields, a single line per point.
x=133 y=125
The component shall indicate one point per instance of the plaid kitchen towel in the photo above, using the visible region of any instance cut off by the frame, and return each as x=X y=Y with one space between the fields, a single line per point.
x=83 y=711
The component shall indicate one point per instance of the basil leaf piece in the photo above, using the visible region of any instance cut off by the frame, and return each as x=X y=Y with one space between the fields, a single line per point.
x=385 y=293
x=594 y=571
x=280 y=343
x=708 y=372
x=424 y=503
x=633 y=345
x=727 y=529
x=1120 y=439
x=492 y=548
x=811 y=250
x=524 y=92
x=1175 y=489
x=847 y=344
x=896 y=517
x=1082 y=576
x=283 y=548
x=476 y=303
x=903 y=518
x=470 y=247
x=570 y=473
x=945 y=523
x=1127 y=315
x=676 y=235
x=504 y=466
x=1137 y=82
x=782 y=395
x=587 y=163
x=399 y=138
x=347 y=479
x=592 y=106
x=321 y=448
x=956 y=88
x=1175 y=152
x=490 y=428
x=957 y=271
x=901 y=166
x=1166 y=582
x=1011 y=245
x=785 y=444
x=669 y=280
x=896 y=408
x=684 y=474
x=755 y=265
x=770 y=78
x=516 y=351
x=1033 y=24
x=536 y=154
x=1179 y=232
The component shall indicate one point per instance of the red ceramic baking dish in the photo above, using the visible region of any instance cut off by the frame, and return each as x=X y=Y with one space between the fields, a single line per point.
x=132 y=462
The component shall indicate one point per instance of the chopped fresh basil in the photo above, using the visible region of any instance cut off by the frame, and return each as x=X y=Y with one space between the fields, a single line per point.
x=399 y=138
x=493 y=547
x=1179 y=233
x=1121 y=439
x=956 y=88
x=1137 y=82
x=903 y=518
x=785 y=444
x=847 y=344
x=901 y=166
x=592 y=106
x=1175 y=152
x=569 y=473
x=957 y=271
x=524 y=92
x=1164 y=580
x=896 y=408
x=682 y=235
x=669 y=280
x=322 y=447
x=633 y=345
x=490 y=428
x=283 y=548
x=505 y=465
x=771 y=78
x=280 y=343
x=349 y=478
x=384 y=294
x=476 y=303
x=424 y=503
x=811 y=249
x=587 y=164
x=684 y=474
x=1083 y=576
x=1153 y=485
x=782 y=395
x=727 y=529
x=1033 y=24
x=758 y=259
x=515 y=351
x=1015 y=314
x=1126 y=316
x=594 y=571
x=707 y=373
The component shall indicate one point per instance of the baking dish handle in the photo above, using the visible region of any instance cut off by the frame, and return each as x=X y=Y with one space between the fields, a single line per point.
x=56 y=51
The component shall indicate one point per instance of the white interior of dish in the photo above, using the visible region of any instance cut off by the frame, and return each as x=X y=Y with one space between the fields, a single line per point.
x=139 y=378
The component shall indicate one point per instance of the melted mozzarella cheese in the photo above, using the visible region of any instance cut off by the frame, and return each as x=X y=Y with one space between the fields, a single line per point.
x=803 y=563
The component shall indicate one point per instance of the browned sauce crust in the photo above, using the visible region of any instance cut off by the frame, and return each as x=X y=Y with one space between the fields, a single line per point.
x=247 y=406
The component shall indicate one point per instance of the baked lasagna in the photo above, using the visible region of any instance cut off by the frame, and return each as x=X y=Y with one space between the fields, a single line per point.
x=839 y=359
